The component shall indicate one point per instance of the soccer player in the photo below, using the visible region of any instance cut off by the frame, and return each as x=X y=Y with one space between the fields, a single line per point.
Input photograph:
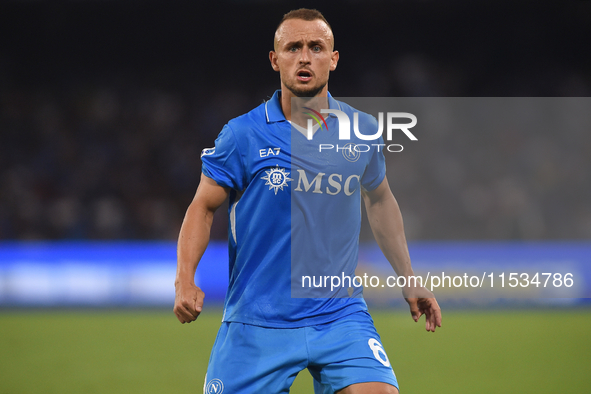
x=267 y=335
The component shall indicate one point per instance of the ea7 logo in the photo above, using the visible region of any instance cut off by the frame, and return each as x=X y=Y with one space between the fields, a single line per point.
x=345 y=125
x=269 y=152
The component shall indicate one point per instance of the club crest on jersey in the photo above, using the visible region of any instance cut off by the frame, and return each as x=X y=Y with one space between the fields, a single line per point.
x=351 y=152
x=276 y=178
x=215 y=386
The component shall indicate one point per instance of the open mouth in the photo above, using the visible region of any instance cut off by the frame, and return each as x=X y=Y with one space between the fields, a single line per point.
x=304 y=75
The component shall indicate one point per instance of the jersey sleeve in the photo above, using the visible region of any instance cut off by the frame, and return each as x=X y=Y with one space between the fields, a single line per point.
x=223 y=163
x=376 y=169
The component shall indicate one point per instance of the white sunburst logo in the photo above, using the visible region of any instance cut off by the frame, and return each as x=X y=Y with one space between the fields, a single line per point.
x=276 y=178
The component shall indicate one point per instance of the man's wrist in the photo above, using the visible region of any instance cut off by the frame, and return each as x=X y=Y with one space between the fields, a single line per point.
x=407 y=273
x=184 y=282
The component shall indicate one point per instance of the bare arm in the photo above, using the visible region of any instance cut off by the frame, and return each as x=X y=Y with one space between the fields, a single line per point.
x=193 y=240
x=386 y=223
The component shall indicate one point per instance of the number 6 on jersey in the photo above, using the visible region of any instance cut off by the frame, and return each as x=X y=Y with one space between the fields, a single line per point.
x=377 y=348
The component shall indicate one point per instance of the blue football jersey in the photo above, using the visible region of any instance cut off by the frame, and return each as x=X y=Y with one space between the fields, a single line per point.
x=295 y=211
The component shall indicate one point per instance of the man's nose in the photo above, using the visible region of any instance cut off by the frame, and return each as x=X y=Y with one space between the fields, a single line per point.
x=304 y=56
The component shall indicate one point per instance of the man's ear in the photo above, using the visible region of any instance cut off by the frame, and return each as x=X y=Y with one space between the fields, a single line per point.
x=273 y=60
x=334 y=60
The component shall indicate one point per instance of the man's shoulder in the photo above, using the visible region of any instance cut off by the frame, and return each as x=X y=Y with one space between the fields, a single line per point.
x=255 y=118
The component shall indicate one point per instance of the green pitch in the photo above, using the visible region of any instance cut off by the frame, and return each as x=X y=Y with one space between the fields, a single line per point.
x=150 y=352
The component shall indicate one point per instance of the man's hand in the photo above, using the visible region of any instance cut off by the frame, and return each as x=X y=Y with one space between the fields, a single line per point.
x=188 y=302
x=385 y=219
x=428 y=307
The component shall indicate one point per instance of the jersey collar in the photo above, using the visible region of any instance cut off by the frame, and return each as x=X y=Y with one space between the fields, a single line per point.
x=274 y=113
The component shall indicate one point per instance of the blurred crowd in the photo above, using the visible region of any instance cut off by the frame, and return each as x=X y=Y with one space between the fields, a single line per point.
x=98 y=162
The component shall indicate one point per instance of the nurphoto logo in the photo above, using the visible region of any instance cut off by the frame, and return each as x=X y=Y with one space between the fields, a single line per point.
x=345 y=130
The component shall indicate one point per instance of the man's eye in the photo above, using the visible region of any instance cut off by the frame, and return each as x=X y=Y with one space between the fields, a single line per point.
x=293 y=49
x=316 y=48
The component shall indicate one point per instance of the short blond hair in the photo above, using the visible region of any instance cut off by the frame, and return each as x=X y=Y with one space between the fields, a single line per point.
x=306 y=14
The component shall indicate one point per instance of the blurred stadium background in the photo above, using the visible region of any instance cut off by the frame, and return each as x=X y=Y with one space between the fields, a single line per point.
x=106 y=105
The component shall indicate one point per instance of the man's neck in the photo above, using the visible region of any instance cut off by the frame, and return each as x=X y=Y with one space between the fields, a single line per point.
x=317 y=102
x=294 y=110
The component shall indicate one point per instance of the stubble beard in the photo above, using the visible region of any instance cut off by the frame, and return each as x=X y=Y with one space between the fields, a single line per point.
x=305 y=93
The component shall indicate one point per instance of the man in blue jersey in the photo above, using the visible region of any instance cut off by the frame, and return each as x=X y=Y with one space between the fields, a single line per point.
x=288 y=204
